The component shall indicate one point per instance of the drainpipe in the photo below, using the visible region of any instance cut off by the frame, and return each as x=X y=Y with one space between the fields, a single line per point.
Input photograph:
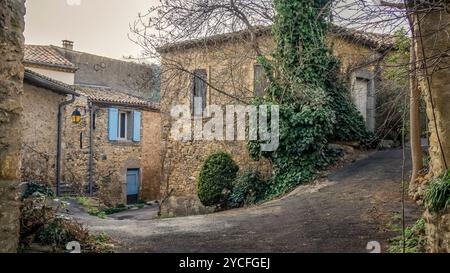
x=91 y=148
x=58 y=151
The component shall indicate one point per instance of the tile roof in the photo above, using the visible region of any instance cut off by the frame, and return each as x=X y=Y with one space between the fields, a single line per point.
x=372 y=40
x=46 y=55
x=106 y=95
x=40 y=80
x=375 y=41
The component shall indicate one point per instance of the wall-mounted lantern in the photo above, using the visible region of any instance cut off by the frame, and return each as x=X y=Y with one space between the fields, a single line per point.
x=76 y=116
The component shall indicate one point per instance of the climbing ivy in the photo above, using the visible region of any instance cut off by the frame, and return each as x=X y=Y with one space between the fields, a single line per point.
x=314 y=104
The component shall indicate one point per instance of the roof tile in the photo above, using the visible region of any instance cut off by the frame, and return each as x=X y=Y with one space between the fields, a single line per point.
x=109 y=96
x=373 y=40
x=46 y=55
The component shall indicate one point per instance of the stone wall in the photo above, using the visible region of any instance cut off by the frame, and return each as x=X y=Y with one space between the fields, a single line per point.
x=436 y=44
x=75 y=147
x=11 y=87
x=151 y=155
x=437 y=229
x=230 y=69
x=40 y=130
x=112 y=159
x=182 y=160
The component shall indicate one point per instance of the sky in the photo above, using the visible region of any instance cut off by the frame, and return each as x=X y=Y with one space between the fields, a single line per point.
x=96 y=26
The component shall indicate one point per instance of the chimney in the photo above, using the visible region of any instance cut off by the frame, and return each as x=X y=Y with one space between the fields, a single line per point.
x=67 y=44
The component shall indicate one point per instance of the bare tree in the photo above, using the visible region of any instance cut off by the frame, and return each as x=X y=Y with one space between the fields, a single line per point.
x=428 y=24
x=180 y=20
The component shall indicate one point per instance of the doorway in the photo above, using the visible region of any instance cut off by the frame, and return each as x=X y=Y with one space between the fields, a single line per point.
x=132 y=186
x=360 y=95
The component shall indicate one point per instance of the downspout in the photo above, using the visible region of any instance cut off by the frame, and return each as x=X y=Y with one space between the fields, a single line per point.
x=91 y=148
x=59 y=142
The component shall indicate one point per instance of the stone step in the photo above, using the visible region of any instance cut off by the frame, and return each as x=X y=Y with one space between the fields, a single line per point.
x=66 y=190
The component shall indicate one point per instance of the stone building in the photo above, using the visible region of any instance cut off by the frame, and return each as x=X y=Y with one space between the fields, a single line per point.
x=11 y=88
x=43 y=98
x=137 y=79
x=46 y=61
x=112 y=149
x=113 y=152
x=228 y=65
x=67 y=65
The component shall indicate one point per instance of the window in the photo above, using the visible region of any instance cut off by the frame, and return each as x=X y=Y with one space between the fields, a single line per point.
x=199 y=88
x=124 y=125
x=260 y=82
x=122 y=128
x=94 y=117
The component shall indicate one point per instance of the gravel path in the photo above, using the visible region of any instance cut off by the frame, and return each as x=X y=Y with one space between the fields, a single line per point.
x=354 y=206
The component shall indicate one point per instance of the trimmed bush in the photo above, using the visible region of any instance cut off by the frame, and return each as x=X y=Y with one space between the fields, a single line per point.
x=248 y=189
x=216 y=179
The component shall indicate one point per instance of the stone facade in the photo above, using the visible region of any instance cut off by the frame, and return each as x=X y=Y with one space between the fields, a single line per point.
x=437 y=229
x=11 y=87
x=40 y=127
x=151 y=155
x=436 y=45
x=75 y=150
x=229 y=64
x=101 y=83
x=111 y=159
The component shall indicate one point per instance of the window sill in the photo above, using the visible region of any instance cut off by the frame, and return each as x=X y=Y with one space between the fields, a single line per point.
x=125 y=142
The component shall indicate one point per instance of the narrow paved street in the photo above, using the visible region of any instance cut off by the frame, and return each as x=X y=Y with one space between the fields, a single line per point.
x=354 y=207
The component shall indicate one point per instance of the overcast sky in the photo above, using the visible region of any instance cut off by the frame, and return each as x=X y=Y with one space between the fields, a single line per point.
x=96 y=26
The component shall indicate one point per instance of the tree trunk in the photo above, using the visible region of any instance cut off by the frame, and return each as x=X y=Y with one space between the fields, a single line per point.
x=414 y=116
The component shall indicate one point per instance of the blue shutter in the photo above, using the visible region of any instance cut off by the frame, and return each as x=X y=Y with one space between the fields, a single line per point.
x=113 y=123
x=136 y=126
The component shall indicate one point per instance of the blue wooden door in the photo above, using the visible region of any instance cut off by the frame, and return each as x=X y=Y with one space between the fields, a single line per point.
x=132 y=186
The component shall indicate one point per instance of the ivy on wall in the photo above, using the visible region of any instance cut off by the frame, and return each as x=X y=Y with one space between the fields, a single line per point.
x=315 y=106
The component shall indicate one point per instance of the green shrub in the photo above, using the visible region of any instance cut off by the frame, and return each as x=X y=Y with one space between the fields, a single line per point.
x=60 y=232
x=216 y=179
x=247 y=190
x=84 y=202
x=437 y=197
x=102 y=238
x=40 y=224
x=34 y=187
x=415 y=239
x=99 y=213
x=117 y=209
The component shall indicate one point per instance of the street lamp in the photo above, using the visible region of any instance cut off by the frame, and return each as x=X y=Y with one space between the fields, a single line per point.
x=76 y=116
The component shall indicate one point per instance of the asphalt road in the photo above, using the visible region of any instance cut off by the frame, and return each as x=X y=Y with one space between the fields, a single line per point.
x=355 y=206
